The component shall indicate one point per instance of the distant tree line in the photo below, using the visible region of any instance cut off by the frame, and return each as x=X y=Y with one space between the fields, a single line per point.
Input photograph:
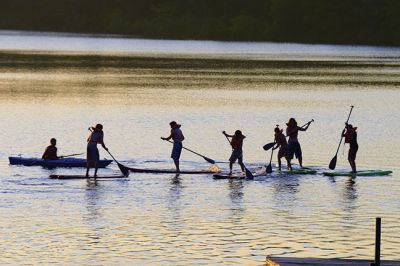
x=309 y=21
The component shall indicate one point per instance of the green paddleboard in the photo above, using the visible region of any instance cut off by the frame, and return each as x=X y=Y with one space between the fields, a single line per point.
x=305 y=171
x=359 y=173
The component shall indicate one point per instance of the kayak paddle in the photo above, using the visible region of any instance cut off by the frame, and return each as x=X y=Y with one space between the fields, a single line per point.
x=69 y=155
x=332 y=164
x=124 y=169
x=249 y=175
x=211 y=161
x=268 y=146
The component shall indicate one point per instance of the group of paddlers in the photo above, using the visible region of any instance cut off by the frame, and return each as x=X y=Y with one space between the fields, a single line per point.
x=287 y=149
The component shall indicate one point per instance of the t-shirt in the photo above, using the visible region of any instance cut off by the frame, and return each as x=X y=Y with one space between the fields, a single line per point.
x=280 y=139
x=351 y=138
x=177 y=134
x=237 y=142
x=96 y=136
x=50 y=153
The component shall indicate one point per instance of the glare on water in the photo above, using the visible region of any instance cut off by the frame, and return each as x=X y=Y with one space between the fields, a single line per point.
x=166 y=219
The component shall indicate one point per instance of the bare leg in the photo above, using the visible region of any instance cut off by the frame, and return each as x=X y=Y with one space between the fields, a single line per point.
x=87 y=171
x=96 y=167
x=289 y=165
x=301 y=162
x=241 y=165
x=176 y=162
x=279 y=163
x=230 y=168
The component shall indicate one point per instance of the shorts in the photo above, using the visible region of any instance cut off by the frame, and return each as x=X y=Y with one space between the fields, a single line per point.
x=176 y=150
x=93 y=155
x=283 y=151
x=236 y=155
x=352 y=154
x=294 y=149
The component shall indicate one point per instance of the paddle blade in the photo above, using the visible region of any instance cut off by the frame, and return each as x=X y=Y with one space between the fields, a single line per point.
x=269 y=169
x=332 y=164
x=268 y=146
x=249 y=175
x=211 y=161
x=124 y=170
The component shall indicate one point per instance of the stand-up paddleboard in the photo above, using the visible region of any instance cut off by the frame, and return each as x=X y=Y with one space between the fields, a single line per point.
x=84 y=177
x=233 y=176
x=301 y=171
x=359 y=173
x=169 y=171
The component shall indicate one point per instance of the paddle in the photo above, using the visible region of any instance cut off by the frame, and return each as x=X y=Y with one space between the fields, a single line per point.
x=69 y=155
x=124 y=169
x=268 y=146
x=269 y=167
x=249 y=175
x=332 y=164
x=211 y=161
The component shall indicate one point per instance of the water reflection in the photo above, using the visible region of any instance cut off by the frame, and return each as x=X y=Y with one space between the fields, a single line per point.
x=236 y=196
x=93 y=195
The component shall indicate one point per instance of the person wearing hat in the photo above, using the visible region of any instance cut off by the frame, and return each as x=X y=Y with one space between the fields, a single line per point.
x=51 y=151
x=294 y=147
x=93 y=157
x=350 y=136
x=237 y=149
x=281 y=143
x=177 y=136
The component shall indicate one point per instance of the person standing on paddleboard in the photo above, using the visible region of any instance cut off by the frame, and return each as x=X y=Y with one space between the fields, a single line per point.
x=350 y=136
x=294 y=147
x=177 y=136
x=237 y=150
x=93 y=156
x=281 y=143
x=51 y=151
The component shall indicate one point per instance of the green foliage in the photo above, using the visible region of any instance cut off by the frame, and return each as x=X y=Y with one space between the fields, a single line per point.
x=311 y=21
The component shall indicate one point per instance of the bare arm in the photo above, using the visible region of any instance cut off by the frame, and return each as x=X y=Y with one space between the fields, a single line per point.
x=227 y=135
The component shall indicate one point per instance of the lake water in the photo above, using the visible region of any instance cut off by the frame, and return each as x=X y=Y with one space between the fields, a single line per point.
x=54 y=85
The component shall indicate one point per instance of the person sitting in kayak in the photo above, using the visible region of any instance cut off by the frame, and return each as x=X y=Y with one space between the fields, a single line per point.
x=177 y=136
x=51 y=151
x=93 y=157
x=237 y=151
x=281 y=143
x=294 y=147
x=350 y=136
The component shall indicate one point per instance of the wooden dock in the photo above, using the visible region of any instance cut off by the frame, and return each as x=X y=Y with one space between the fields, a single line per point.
x=280 y=261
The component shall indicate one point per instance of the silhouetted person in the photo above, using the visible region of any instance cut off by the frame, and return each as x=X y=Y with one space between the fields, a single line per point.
x=350 y=136
x=281 y=143
x=294 y=147
x=177 y=136
x=93 y=157
x=237 y=150
x=51 y=151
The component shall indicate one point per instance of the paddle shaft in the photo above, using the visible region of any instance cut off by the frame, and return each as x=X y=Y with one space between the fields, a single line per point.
x=69 y=155
x=207 y=159
x=341 y=137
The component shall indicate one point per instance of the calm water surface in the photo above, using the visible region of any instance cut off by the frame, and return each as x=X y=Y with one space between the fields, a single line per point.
x=178 y=220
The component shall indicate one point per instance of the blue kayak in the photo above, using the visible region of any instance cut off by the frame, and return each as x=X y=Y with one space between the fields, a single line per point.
x=64 y=162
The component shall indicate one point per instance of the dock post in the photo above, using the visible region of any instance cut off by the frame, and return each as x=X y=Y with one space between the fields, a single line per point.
x=377 y=261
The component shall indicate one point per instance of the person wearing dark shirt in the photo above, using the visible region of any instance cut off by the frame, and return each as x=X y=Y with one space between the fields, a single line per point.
x=177 y=136
x=237 y=151
x=281 y=143
x=350 y=136
x=51 y=151
x=294 y=147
